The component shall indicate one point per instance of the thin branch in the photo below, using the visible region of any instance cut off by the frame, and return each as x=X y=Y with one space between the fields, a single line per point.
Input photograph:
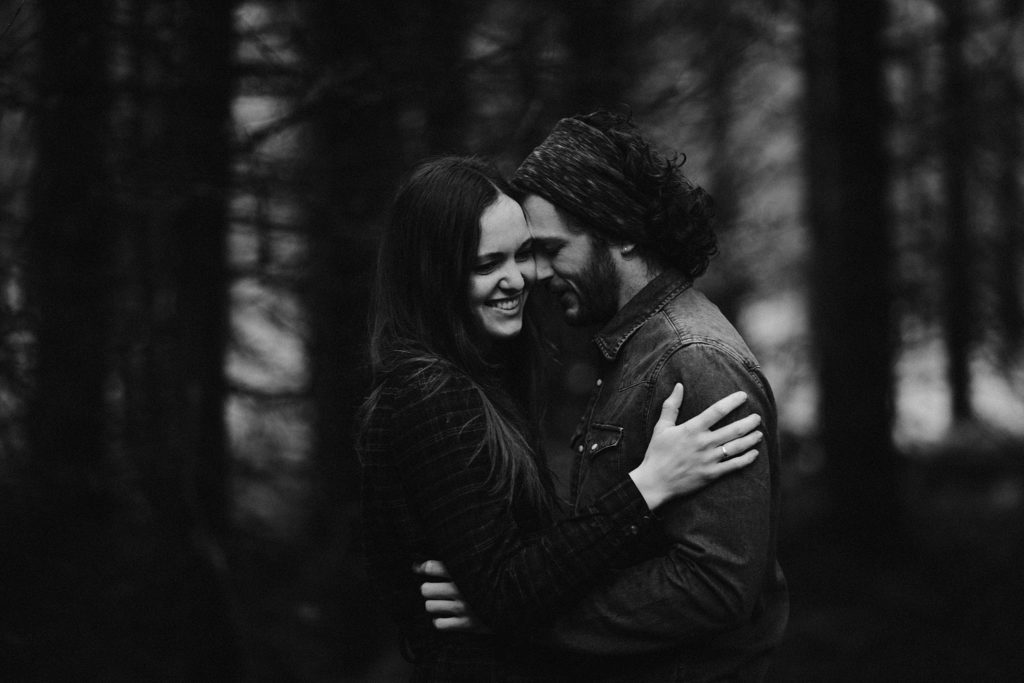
x=13 y=19
x=258 y=37
x=10 y=99
x=322 y=95
x=254 y=393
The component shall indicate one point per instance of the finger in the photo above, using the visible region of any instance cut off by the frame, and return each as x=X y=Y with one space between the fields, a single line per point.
x=735 y=430
x=670 y=408
x=733 y=464
x=717 y=410
x=740 y=445
x=440 y=590
x=450 y=608
x=453 y=624
x=434 y=569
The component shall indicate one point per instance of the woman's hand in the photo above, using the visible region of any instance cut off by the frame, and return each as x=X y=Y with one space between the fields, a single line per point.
x=683 y=458
x=443 y=601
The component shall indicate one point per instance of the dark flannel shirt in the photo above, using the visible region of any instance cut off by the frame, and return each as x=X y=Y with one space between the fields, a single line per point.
x=712 y=603
x=426 y=495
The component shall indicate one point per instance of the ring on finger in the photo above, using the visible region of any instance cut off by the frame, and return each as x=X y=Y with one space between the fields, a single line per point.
x=725 y=453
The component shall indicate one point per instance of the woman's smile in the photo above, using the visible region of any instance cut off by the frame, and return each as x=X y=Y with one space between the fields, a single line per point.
x=504 y=270
x=510 y=305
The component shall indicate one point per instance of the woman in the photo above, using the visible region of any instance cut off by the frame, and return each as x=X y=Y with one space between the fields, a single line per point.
x=450 y=464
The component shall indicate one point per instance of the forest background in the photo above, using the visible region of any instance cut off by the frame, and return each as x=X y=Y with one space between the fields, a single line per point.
x=190 y=195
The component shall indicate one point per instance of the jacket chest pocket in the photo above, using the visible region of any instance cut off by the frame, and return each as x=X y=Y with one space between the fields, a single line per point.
x=599 y=462
x=601 y=438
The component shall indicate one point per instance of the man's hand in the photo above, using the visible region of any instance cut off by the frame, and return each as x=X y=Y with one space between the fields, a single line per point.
x=444 y=602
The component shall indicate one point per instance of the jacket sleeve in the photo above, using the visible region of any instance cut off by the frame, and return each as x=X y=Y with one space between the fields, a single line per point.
x=511 y=577
x=710 y=573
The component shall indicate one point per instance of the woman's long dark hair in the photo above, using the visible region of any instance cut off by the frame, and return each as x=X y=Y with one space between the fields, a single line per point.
x=422 y=322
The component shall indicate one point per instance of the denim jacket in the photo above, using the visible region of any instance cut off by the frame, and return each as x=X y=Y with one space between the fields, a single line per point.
x=711 y=603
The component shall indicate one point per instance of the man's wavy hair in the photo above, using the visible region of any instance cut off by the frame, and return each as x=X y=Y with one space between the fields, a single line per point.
x=610 y=180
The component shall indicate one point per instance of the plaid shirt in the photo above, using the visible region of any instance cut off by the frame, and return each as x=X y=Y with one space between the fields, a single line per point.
x=426 y=496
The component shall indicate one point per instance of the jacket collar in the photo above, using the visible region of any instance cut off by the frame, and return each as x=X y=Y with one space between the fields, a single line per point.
x=638 y=310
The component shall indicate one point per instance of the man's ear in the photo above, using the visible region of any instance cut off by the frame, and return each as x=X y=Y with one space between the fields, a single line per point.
x=625 y=254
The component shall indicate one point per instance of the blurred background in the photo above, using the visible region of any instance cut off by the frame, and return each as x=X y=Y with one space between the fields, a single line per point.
x=190 y=195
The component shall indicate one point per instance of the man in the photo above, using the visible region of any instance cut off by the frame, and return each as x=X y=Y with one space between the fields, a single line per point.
x=621 y=234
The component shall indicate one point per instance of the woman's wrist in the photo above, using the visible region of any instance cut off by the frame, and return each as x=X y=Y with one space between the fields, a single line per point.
x=649 y=486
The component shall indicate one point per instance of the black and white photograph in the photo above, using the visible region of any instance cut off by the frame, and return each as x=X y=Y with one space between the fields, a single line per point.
x=512 y=341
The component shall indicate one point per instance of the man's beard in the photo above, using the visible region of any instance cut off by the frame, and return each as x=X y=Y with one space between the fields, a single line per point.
x=597 y=287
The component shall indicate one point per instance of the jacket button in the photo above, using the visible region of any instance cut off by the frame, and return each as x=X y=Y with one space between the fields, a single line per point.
x=580 y=448
x=593 y=446
x=599 y=382
x=634 y=530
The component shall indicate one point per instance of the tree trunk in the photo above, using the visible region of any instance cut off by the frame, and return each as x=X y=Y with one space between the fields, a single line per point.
x=847 y=194
x=727 y=37
x=350 y=176
x=959 y=316
x=442 y=82
x=1008 y=200
x=174 y=161
x=57 y=542
x=191 y=368
x=70 y=268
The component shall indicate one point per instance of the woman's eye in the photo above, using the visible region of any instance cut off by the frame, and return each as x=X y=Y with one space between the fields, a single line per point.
x=485 y=268
x=524 y=255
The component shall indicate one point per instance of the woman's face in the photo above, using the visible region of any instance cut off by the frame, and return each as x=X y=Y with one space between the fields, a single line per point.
x=504 y=270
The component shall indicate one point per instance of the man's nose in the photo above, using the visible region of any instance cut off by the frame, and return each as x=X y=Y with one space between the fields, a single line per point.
x=544 y=269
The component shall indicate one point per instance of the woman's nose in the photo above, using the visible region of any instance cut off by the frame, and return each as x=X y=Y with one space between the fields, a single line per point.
x=514 y=277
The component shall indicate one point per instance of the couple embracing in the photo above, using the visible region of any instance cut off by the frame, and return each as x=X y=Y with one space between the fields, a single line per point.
x=661 y=564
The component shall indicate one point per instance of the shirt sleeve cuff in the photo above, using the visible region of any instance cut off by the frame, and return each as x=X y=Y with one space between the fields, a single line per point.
x=625 y=508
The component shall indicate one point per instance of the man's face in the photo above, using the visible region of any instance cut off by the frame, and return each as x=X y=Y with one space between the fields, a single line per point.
x=579 y=273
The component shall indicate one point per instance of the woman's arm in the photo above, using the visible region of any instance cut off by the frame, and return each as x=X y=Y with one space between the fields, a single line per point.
x=509 y=578
x=511 y=575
